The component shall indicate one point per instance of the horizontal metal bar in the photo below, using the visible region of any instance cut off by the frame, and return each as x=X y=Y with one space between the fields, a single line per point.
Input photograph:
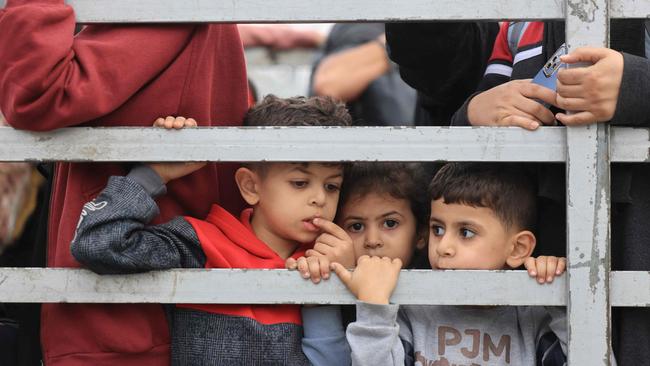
x=261 y=11
x=629 y=9
x=630 y=288
x=308 y=144
x=294 y=11
x=281 y=286
x=629 y=145
x=285 y=144
x=269 y=286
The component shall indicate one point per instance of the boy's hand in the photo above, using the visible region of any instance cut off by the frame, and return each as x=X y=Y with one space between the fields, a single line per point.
x=593 y=90
x=512 y=104
x=169 y=171
x=373 y=280
x=313 y=268
x=334 y=243
x=545 y=268
x=177 y=123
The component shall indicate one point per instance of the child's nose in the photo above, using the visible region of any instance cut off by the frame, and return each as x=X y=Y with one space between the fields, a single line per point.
x=372 y=244
x=445 y=247
x=318 y=197
x=372 y=239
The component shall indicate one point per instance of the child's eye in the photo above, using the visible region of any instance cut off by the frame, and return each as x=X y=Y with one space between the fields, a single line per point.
x=299 y=183
x=390 y=224
x=331 y=187
x=355 y=227
x=437 y=230
x=467 y=233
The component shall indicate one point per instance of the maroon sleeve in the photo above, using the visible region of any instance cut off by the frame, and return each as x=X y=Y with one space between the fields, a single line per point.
x=51 y=79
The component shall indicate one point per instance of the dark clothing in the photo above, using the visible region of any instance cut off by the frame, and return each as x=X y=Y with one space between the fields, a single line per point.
x=443 y=61
x=630 y=183
x=113 y=236
x=29 y=251
x=388 y=100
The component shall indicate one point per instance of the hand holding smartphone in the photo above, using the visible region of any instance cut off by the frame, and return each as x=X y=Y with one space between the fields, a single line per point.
x=547 y=76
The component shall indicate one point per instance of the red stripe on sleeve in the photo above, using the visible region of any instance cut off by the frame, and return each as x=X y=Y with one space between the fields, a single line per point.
x=534 y=34
x=501 y=51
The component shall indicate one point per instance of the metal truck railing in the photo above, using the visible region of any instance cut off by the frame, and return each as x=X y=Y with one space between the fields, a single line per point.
x=590 y=287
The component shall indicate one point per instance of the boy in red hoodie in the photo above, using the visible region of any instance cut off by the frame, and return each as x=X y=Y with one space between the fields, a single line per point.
x=113 y=236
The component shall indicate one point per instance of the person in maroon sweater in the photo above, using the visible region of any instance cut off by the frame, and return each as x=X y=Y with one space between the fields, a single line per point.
x=110 y=75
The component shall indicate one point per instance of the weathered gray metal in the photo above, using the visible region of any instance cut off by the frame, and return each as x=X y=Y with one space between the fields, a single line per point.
x=281 y=286
x=590 y=287
x=285 y=144
x=269 y=286
x=362 y=143
x=629 y=288
x=628 y=145
x=588 y=209
x=291 y=11
x=629 y=9
x=261 y=11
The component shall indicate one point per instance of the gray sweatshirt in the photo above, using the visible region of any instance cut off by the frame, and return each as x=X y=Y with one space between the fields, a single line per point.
x=451 y=335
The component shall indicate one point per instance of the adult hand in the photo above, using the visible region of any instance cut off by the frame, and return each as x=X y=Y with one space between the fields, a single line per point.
x=373 y=280
x=279 y=36
x=591 y=91
x=512 y=104
x=334 y=243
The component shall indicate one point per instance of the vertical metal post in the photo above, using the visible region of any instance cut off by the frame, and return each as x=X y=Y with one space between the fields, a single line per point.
x=588 y=207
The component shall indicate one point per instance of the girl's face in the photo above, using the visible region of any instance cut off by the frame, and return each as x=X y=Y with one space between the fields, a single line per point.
x=381 y=225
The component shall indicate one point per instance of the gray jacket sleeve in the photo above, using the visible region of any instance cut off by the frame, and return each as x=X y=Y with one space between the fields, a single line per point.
x=113 y=237
x=324 y=341
x=374 y=337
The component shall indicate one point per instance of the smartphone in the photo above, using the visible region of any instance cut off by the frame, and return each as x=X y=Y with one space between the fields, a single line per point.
x=547 y=76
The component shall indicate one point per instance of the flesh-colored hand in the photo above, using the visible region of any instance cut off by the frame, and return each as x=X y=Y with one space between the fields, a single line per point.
x=592 y=91
x=314 y=268
x=334 y=243
x=512 y=104
x=373 y=280
x=545 y=268
x=169 y=171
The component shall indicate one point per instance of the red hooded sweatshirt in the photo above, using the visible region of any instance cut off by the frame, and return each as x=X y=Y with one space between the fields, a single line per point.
x=115 y=75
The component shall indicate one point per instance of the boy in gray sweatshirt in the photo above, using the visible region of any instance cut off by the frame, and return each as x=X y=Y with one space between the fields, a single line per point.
x=481 y=218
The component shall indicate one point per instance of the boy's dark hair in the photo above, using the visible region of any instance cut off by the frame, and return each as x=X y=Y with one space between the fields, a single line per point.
x=298 y=111
x=273 y=111
x=400 y=180
x=505 y=188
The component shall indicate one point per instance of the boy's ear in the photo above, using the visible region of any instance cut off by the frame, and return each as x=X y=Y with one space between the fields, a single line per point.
x=422 y=238
x=523 y=244
x=248 y=183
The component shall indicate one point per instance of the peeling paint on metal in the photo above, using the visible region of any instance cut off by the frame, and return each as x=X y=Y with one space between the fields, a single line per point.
x=585 y=10
x=584 y=264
